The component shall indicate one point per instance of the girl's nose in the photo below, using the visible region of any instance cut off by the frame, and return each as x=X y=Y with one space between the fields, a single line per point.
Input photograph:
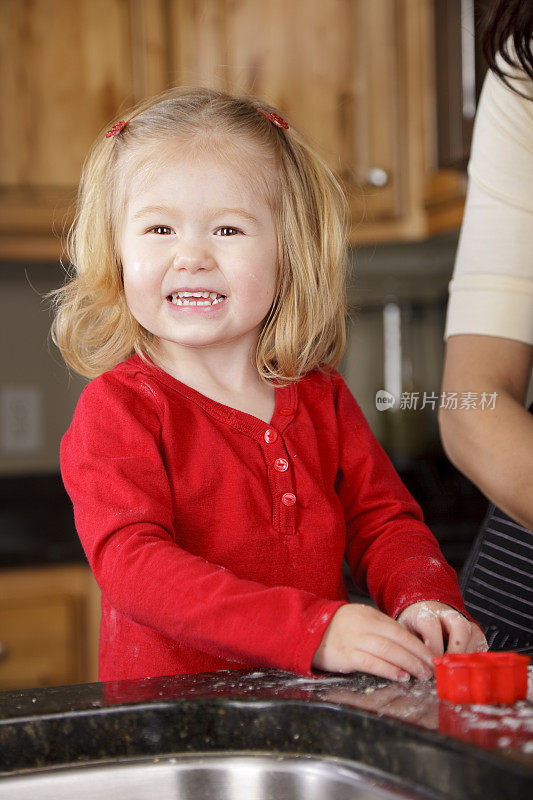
x=193 y=259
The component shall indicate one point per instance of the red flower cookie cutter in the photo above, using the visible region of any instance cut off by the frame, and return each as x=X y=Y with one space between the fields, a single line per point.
x=482 y=677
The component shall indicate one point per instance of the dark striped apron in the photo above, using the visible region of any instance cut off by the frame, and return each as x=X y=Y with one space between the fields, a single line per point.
x=497 y=582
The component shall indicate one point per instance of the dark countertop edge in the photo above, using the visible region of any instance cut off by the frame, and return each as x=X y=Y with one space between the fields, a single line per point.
x=249 y=701
x=434 y=737
x=487 y=760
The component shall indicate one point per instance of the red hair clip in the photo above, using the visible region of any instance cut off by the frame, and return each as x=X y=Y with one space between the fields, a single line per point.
x=275 y=119
x=117 y=128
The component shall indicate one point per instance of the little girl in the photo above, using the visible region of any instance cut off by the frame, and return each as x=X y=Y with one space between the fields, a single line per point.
x=220 y=470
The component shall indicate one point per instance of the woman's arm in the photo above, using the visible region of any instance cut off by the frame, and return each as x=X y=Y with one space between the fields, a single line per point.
x=494 y=448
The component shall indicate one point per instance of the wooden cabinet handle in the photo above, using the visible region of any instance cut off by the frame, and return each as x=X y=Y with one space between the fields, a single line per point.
x=3 y=651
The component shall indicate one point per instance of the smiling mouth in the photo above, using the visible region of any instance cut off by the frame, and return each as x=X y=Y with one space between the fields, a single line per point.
x=196 y=298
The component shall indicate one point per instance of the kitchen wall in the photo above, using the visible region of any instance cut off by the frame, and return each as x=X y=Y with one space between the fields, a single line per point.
x=414 y=277
x=37 y=394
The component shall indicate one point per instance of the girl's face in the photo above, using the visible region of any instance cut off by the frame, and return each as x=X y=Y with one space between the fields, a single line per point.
x=199 y=252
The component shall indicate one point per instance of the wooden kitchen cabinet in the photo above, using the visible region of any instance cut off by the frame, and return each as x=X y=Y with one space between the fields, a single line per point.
x=49 y=619
x=356 y=76
x=67 y=67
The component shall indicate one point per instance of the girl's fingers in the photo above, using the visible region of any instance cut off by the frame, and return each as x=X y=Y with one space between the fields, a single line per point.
x=395 y=653
x=478 y=642
x=430 y=631
x=458 y=629
x=364 y=639
x=405 y=635
x=442 y=628
x=413 y=656
x=424 y=623
x=367 y=662
x=380 y=628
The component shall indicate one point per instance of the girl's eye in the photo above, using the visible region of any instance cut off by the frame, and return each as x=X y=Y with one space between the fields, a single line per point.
x=226 y=231
x=161 y=230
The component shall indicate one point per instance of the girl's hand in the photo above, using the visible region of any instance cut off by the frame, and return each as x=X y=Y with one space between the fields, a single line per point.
x=361 y=638
x=442 y=628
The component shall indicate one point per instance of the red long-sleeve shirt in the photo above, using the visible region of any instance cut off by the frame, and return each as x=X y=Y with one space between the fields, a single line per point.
x=217 y=540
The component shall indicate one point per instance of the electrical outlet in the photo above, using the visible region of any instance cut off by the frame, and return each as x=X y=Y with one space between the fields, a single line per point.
x=21 y=423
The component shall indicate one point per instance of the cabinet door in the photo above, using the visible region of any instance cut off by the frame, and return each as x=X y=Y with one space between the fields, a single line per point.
x=49 y=621
x=68 y=67
x=39 y=645
x=332 y=67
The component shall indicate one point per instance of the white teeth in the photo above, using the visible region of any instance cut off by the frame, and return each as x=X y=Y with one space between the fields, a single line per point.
x=213 y=295
x=201 y=298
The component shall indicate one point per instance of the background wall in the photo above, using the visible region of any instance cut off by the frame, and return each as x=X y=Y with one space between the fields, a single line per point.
x=33 y=420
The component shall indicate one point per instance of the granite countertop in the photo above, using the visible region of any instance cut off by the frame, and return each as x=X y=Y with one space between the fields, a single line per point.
x=460 y=752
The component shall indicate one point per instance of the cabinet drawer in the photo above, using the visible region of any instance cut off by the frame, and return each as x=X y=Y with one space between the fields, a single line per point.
x=39 y=643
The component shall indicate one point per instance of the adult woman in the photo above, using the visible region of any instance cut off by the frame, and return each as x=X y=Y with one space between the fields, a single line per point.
x=490 y=333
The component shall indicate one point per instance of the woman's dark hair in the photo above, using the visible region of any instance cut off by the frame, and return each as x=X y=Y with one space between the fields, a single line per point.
x=507 y=25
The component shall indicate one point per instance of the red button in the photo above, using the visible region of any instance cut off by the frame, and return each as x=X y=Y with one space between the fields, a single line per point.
x=288 y=499
x=286 y=412
x=270 y=435
x=281 y=464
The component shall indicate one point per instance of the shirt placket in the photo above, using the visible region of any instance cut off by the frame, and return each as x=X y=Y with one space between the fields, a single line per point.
x=281 y=481
x=279 y=470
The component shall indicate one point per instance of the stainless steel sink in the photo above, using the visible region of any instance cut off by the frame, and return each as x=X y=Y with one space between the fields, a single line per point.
x=210 y=777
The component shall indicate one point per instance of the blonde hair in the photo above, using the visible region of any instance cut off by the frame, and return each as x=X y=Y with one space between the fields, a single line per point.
x=305 y=328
